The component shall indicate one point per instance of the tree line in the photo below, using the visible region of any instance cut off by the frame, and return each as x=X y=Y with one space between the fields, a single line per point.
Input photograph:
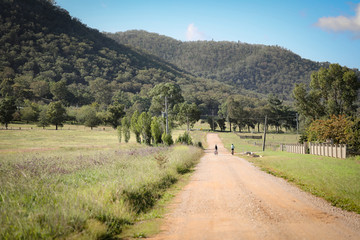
x=329 y=106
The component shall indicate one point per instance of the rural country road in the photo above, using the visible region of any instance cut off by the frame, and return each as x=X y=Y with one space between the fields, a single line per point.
x=229 y=198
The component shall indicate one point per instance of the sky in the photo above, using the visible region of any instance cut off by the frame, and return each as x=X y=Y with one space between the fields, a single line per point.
x=319 y=30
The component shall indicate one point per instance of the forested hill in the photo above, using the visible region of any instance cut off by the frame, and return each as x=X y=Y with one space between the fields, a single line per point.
x=47 y=54
x=264 y=69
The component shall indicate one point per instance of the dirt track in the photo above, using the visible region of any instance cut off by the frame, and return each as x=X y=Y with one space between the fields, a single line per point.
x=229 y=198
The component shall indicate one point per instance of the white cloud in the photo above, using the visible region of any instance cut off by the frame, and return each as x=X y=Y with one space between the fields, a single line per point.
x=193 y=33
x=342 y=23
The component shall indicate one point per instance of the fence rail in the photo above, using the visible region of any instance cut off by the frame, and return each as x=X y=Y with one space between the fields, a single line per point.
x=296 y=148
x=328 y=150
x=250 y=137
x=321 y=149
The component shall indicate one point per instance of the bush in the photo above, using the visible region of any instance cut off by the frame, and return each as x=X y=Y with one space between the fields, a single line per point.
x=167 y=139
x=185 y=139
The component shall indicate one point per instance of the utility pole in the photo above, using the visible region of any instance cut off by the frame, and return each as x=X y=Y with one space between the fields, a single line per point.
x=264 y=138
x=297 y=124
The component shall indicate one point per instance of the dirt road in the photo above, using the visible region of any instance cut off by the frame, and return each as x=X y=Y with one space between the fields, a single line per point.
x=229 y=198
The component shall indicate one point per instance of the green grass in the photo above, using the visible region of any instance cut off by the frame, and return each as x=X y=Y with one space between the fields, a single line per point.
x=336 y=180
x=81 y=184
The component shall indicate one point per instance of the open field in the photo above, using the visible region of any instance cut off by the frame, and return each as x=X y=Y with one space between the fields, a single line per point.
x=82 y=184
x=336 y=180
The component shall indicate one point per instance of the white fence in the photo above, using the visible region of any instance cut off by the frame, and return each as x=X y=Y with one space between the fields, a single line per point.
x=321 y=149
x=328 y=150
x=296 y=148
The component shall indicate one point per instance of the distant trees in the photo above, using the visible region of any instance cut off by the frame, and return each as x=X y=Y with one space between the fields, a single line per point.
x=333 y=91
x=264 y=69
x=248 y=112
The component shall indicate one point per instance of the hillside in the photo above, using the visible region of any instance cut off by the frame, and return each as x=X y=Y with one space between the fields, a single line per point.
x=45 y=54
x=259 y=68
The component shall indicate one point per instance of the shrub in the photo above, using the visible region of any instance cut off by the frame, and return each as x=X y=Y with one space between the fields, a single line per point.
x=185 y=139
x=167 y=139
x=337 y=128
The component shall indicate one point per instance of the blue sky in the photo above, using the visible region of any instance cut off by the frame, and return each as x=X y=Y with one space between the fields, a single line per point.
x=318 y=30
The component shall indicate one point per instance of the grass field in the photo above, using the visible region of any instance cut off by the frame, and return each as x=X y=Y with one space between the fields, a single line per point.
x=82 y=183
x=336 y=180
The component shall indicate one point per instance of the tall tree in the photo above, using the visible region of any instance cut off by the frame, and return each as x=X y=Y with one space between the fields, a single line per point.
x=43 y=120
x=89 y=116
x=156 y=129
x=7 y=109
x=114 y=114
x=333 y=90
x=135 y=126
x=170 y=91
x=60 y=91
x=187 y=114
x=30 y=113
x=56 y=114
x=125 y=125
x=145 y=126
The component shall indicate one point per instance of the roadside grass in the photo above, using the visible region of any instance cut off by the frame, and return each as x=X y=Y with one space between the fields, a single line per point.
x=82 y=184
x=336 y=180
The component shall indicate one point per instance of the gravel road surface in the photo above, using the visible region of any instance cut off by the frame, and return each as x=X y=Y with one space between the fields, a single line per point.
x=229 y=198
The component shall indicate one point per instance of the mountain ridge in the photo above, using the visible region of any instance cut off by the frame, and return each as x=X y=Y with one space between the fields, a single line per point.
x=260 y=68
x=41 y=45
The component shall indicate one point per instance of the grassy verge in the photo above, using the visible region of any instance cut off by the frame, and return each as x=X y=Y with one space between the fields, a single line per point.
x=85 y=186
x=336 y=180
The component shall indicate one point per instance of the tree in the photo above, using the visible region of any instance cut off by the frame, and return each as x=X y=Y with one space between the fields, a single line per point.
x=122 y=98
x=236 y=112
x=280 y=115
x=7 y=109
x=125 y=125
x=43 y=120
x=114 y=114
x=156 y=130
x=187 y=114
x=333 y=91
x=135 y=126
x=221 y=122
x=144 y=122
x=171 y=91
x=119 y=133
x=60 y=91
x=30 y=113
x=212 y=123
x=101 y=91
x=89 y=117
x=56 y=114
